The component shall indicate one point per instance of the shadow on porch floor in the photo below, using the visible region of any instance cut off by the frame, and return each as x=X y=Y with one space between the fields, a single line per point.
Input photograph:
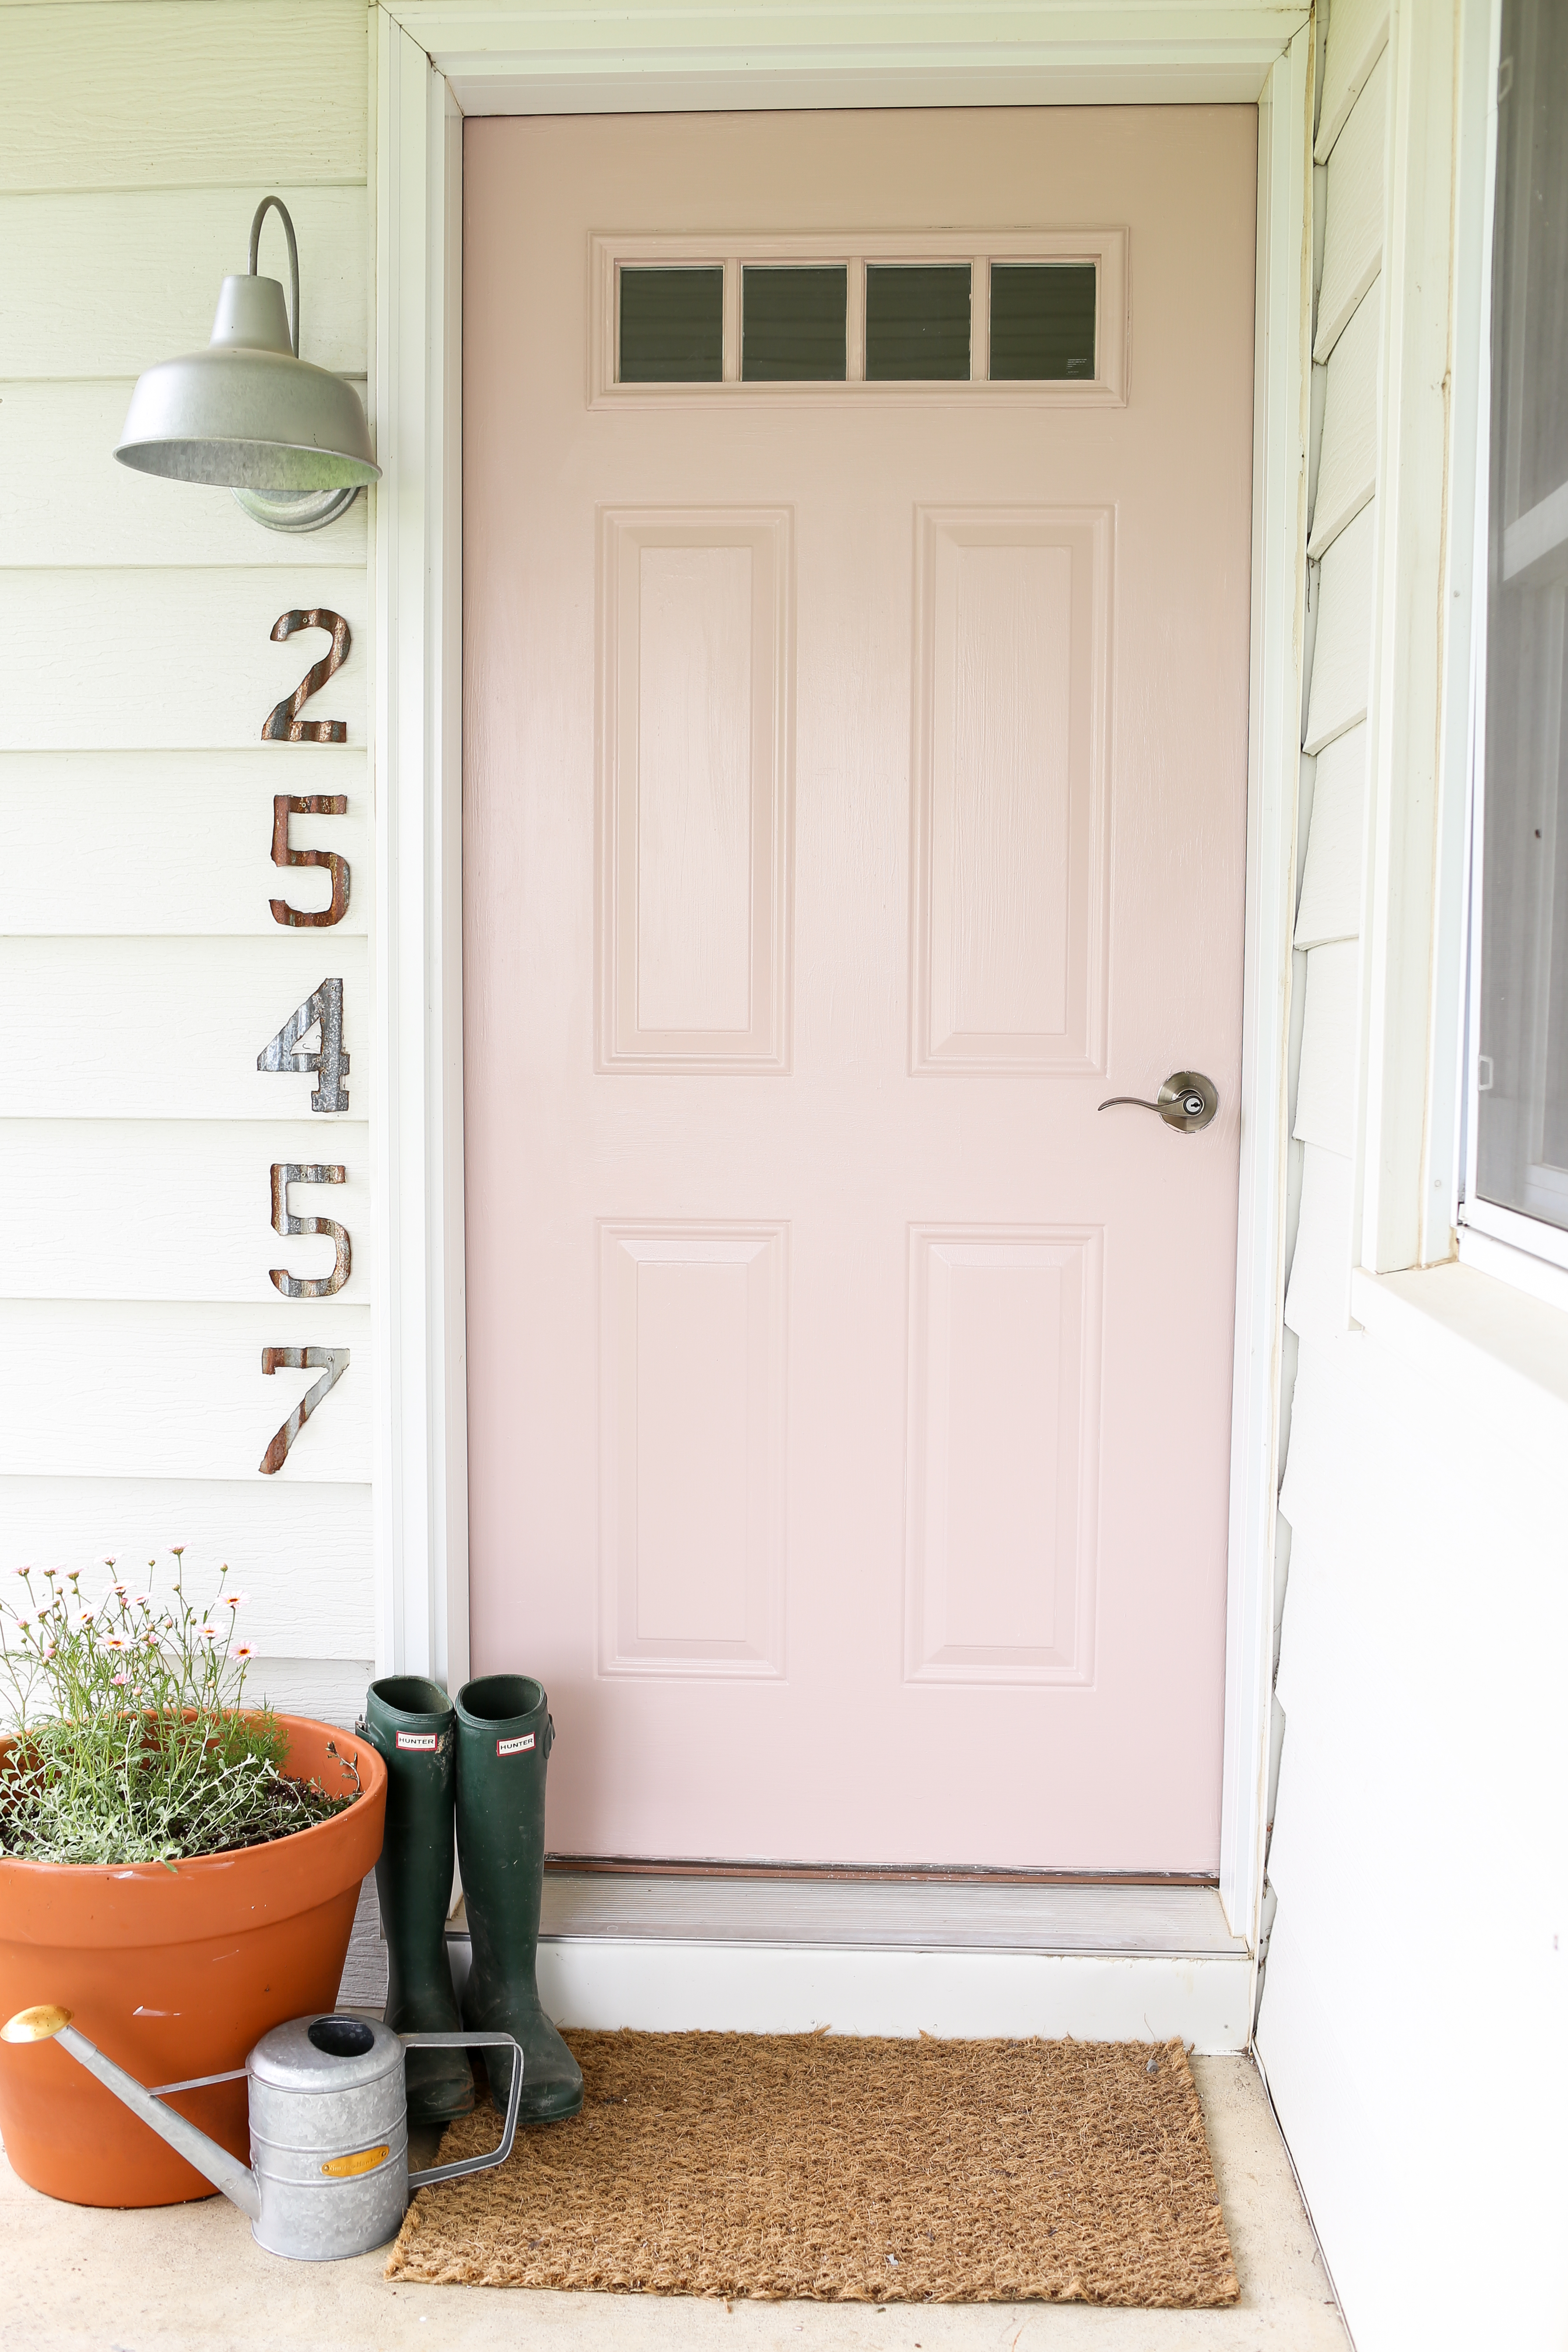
x=188 y=2278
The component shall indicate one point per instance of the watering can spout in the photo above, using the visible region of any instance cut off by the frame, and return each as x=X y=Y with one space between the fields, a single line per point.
x=237 y=2182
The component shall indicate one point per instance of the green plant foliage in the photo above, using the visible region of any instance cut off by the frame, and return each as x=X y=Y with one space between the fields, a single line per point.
x=130 y=1739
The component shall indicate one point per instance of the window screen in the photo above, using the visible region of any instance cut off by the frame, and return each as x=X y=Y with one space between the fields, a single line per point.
x=1520 y=1099
x=917 y=322
x=1042 y=321
x=672 y=325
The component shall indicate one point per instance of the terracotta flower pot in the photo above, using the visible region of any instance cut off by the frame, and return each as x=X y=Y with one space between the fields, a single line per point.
x=173 y=1973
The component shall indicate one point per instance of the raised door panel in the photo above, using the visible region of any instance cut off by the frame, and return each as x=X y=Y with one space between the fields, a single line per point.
x=691 y=1449
x=1005 y=1351
x=694 y=812
x=1012 y=728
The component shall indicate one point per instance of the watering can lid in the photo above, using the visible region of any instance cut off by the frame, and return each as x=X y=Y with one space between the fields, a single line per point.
x=325 y=2052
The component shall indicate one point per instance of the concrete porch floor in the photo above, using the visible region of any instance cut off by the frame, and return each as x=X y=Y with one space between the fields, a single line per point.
x=189 y=2278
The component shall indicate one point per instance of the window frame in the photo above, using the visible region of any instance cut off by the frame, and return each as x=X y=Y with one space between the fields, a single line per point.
x=1106 y=248
x=1513 y=1245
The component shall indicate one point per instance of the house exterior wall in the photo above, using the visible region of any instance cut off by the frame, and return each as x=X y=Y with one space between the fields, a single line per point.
x=1412 y=1994
x=142 y=970
x=1410 y=2019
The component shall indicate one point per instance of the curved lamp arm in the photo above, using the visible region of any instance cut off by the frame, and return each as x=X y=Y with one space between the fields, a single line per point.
x=277 y=205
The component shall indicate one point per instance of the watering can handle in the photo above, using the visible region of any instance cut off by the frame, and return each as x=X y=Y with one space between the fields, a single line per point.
x=471 y=2042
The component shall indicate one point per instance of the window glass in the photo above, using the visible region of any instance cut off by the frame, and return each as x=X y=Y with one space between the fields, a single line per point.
x=793 y=324
x=672 y=325
x=1522 y=1076
x=1042 y=321
x=917 y=322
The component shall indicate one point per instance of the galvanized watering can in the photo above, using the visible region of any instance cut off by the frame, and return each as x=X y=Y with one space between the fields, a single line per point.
x=328 y=2135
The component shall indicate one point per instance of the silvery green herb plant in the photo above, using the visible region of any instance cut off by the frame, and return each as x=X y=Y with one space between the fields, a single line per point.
x=129 y=1738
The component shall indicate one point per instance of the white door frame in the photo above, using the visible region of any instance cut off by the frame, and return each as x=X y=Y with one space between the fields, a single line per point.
x=435 y=61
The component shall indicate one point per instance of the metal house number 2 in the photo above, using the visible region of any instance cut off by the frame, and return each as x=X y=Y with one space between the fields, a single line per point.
x=322 y=1011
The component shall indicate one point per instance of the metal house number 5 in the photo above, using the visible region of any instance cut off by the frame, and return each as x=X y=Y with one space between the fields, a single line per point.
x=294 y=1171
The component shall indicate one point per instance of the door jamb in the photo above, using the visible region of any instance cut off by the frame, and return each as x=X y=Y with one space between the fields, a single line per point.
x=507 y=61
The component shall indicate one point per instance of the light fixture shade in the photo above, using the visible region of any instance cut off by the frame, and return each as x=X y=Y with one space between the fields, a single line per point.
x=246 y=413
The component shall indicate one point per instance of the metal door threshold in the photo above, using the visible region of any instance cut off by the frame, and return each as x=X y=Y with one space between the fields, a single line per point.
x=825 y=1914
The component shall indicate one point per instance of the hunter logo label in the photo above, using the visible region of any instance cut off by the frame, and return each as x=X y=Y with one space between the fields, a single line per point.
x=515 y=1747
x=422 y=1742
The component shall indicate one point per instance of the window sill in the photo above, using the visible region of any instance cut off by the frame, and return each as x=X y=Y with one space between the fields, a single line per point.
x=1497 y=1347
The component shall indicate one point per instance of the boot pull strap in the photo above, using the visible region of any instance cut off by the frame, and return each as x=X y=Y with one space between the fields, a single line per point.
x=549 y=1736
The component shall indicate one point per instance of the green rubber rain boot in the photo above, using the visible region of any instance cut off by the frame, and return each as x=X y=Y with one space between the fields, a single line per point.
x=504 y=1738
x=409 y=1723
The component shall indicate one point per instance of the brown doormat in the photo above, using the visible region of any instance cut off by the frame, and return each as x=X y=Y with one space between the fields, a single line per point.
x=839 y=2169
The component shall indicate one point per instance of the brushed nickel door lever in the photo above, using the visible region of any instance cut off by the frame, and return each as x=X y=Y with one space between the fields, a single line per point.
x=1186 y=1101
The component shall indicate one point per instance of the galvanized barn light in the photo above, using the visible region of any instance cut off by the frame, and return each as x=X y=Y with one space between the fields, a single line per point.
x=290 y=440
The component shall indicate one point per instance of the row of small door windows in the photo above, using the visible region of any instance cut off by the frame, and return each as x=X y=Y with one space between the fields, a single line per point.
x=795 y=323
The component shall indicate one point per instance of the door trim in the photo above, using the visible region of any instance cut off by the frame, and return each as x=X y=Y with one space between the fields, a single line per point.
x=433 y=62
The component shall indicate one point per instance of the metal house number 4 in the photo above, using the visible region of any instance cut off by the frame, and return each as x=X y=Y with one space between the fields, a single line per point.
x=323 y=1009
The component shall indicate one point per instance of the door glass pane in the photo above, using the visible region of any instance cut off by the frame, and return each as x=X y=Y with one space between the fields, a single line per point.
x=917 y=322
x=793 y=324
x=1522 y=1103
x=672 y=325
x=1042 y=321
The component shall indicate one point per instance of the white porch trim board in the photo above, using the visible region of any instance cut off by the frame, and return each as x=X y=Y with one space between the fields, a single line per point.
x=434 y=60
x=421 y=1405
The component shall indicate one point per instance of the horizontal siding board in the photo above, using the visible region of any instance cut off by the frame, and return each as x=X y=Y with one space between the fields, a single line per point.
x=173 y=1209
x=1347 y=469
x=103 y=286
x=1331 y=882
x=1353 y=243
x=330 y=1690
x=1342 y=646
x=1326 y=1088
x=1358 y=34
x=64 y=501
x=171 y=95
x=165 y=1028
x=1317 y=1296
x=170 y=1392
x=143 y=843
x=169 y=660
x=300 y=1553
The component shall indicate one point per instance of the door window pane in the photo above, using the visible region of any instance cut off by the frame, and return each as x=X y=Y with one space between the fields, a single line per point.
x=1042 y=321
x=793 y=324
x=1522 y=1096
x=917 y=322
x=672 y=325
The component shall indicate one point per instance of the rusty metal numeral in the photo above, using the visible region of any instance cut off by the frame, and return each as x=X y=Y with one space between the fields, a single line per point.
x=325 y=1005
x=284 y=806
x=296 y=1171
x=330 y=1362
x=284 y=724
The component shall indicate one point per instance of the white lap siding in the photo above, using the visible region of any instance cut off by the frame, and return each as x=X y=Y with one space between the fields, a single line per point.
x=1343 y=526
x=143 y=972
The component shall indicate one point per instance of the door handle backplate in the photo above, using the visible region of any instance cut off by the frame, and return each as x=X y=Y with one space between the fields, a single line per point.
x=1186 y=1101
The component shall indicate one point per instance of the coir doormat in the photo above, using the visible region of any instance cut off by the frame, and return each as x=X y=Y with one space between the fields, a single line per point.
x=836 y=2169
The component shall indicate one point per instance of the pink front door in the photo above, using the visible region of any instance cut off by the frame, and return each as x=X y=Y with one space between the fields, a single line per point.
x=855 y=782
